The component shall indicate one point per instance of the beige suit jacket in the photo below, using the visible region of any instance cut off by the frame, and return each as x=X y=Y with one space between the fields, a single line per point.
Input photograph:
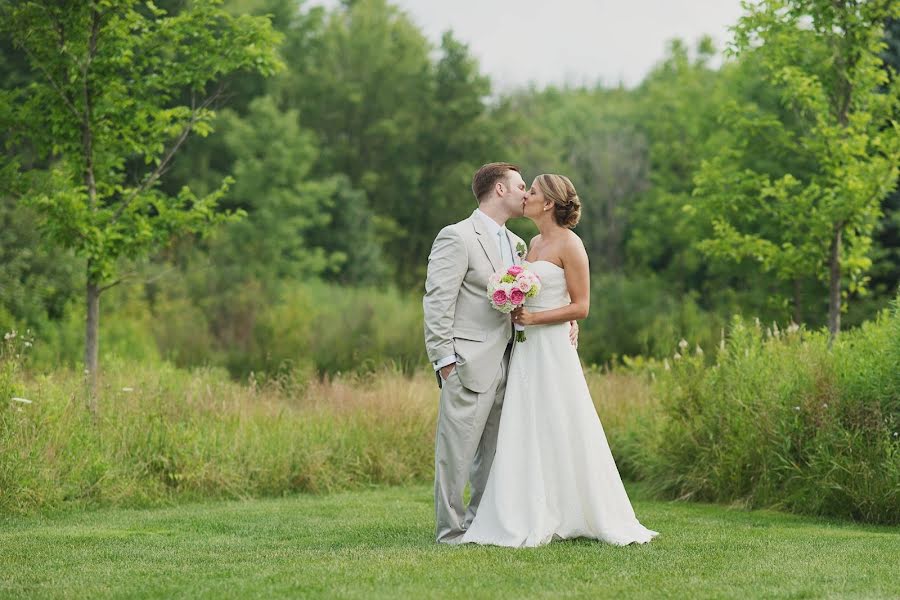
x=459 y=318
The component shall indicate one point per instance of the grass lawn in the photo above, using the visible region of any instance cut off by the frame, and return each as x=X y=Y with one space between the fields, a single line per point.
x=378 y=544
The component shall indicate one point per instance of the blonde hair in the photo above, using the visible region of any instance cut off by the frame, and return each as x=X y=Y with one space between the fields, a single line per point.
x=566 y=203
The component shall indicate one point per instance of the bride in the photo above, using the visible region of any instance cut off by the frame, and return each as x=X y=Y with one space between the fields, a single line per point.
x=553 y=475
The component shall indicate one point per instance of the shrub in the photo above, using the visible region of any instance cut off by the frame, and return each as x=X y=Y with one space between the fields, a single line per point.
x=781 y=420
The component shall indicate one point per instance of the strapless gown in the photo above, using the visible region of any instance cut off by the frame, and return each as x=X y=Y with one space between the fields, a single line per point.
x=553 y=476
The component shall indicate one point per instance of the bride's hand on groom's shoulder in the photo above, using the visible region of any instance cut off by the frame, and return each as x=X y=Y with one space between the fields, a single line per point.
x=573 y=333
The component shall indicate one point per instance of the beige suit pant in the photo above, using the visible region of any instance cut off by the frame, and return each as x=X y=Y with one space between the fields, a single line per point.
x=465 y=444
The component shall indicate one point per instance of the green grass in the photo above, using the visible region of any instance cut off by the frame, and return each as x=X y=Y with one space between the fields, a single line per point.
x=378 y=543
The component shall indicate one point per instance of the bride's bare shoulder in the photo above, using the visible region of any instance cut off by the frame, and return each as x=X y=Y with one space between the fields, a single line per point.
x=573 y=248
x=572 y=241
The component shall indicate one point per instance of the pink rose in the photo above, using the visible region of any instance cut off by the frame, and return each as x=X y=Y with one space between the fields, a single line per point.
x=515 y=270
x=517 y=297
x=499 y=297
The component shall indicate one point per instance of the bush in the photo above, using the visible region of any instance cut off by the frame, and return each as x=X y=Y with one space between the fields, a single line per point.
x=341 y=329
x=639 y=316
x=306 y=329
x=781 y=420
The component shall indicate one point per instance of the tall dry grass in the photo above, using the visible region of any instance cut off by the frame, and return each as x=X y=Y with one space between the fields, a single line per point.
x=626 y=404
x=165 y=434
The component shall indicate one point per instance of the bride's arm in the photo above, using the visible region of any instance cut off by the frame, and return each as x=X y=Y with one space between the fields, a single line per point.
x=578 y=281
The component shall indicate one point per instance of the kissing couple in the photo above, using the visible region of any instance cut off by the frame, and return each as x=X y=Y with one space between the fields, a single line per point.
x=516 y=419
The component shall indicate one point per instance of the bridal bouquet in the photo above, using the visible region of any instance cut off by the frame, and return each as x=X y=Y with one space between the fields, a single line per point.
x=508 y=289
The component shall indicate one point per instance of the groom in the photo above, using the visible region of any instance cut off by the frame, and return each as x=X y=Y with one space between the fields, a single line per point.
x=469 y=343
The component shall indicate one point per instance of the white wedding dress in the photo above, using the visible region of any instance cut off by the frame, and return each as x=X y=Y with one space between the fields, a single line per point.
x=553 y=476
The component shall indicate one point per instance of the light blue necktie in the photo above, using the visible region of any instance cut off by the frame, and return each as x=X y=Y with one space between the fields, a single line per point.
x=505 y=252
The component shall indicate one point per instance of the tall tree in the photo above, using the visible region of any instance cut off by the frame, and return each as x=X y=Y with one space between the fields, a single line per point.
x=122 y=85
x=824 y=58
x=675 y=109
x=406 y=128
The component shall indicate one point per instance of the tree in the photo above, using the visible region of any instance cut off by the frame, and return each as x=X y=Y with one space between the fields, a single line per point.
x=122 y=85
x=886 y=267
x=675 y=109
x=823 y=57
x=407 y=130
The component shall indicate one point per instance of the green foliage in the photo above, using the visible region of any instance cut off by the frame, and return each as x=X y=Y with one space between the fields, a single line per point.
x=302 y=327
x=676 y=106
x=641 y=316
x=407 y=130
x=108 y=111
x=823 y=60
x=272 y=158
x=36 y=282
x=349 y=159
x=779 y=420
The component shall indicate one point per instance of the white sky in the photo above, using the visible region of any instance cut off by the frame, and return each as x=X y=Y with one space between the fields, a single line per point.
x=570 y=41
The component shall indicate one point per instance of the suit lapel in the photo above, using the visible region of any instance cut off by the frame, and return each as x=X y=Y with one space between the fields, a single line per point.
x=488 y=244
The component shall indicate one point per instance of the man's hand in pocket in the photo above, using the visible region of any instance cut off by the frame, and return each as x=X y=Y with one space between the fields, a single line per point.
x=446 y=370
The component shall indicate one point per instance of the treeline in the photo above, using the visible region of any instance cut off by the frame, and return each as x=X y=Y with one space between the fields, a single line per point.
x=348 y=160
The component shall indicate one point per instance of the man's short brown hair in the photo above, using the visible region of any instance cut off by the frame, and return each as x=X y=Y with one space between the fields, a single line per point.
x=487 y=177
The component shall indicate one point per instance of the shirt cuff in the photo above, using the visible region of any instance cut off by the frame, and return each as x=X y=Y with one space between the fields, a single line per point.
x=447 y=360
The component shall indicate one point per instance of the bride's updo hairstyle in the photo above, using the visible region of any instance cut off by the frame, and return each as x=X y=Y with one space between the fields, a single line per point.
x=566 y=203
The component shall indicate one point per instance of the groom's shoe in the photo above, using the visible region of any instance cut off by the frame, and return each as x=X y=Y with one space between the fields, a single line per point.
x=452 y=540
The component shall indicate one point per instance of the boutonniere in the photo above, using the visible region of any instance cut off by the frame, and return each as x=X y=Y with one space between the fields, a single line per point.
x=521 y=250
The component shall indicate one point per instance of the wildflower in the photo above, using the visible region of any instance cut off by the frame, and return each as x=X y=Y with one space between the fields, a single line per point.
x=775 y=329
x=896 y=433
x=28 y=344
x=769 y=332
x=683 y=344
x=756 y=321
x=824 y=405
x=127 y=389
x=22 y=400
x=793 y=328
x=9 y=335
x=698 y=350
x=796 y=408
x=677 y=356
x=666 y=364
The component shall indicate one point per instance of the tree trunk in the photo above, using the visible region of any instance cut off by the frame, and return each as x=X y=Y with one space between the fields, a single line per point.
x=834 y=289
x=92 y=343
